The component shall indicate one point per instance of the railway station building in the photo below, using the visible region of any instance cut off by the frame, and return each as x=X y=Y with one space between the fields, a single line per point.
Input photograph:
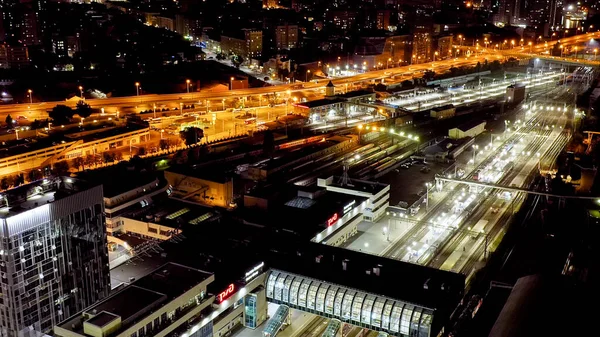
x=188 y=299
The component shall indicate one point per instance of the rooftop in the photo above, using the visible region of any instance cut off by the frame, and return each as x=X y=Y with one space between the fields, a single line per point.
x=356 y=93
x=142 y=296
x=357 y=185
x=214 y=173
x=38 y=193
x=118 y=179
x=304 y=213
x=428 y=287
x=320 y=102
x=470 y=124
x=28 y=145
x=172 y=213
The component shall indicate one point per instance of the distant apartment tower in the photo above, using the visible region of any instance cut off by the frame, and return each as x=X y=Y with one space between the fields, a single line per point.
x=53 y=254
x=186 y=26
x=421 y=51
x=28 y=25
x=343 y=19
x=15 y=57
x=383 y=19
x=247 y=43
x=286 y=37
x=443 y=47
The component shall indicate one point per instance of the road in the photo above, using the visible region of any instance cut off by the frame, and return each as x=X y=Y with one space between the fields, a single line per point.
x=38 y=110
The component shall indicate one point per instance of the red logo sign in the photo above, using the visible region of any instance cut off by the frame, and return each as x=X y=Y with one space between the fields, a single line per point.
x=331 y=221
x=226 y=293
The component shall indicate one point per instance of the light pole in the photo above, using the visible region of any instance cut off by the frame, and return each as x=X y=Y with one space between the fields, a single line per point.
x=30 y=96
x=307 y=72
x=287 y=101
x=154 y=111
x=434 y=55
x=223 y=101
x=81 y=91
x=427 y=186
x=388 y=63
x=231 y=83
x=137 y=88
x=475 y=147
x=188 y=85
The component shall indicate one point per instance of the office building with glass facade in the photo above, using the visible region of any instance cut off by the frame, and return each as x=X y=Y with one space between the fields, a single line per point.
x=53 y=254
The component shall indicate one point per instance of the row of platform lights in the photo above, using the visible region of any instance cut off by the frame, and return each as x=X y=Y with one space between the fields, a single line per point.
x=383 y=129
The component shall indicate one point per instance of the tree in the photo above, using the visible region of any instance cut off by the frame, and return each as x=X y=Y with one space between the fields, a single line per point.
x=108 y=157
x=4 y=183
x=79 y=163
x=61 y=114
x=83 y=109
x=34 y=175
x=191 y=135
x=428 y=75
x=60 y=168
x=380 y=87
x=118 y=156
x=90 y=160
x=163 y=144
x=19 y=179
x=237 y=61
x=9 y=121
x=141 y=151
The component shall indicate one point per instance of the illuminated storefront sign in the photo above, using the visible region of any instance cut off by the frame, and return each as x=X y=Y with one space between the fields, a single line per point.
x=331 y=221
x=253 y=273
x=348 y=207
x=226 y=293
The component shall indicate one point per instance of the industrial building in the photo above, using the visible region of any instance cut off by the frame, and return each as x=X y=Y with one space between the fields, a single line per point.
x=200 y=186
x=469 y=129
x=54 y=259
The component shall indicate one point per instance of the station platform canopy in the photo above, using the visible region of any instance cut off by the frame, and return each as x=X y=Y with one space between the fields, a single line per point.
x=399 y=298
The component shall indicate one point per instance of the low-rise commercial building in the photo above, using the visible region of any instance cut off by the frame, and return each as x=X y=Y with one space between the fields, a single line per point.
x=46 y=151
x=206 y=188
x=442 y=112
x=470 y=129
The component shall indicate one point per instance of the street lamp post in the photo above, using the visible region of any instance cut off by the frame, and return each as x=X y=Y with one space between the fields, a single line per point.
x=223 y=101
x=81 y=91
x=595 y=53
x=30 y=96
x=427 y=186
x=475 y=147
x=188 y=85
x=154 y=109
x=307 y=72
x=231 y=83
x=137 y=88
x=530 y=47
